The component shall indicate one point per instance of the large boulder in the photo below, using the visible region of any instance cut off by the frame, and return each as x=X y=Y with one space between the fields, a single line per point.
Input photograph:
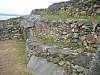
x=40 y=66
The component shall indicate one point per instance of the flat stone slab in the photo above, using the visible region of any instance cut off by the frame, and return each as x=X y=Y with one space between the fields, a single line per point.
x=40 y=66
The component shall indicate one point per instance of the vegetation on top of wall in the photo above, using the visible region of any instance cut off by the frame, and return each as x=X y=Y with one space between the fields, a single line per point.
x=64 y=15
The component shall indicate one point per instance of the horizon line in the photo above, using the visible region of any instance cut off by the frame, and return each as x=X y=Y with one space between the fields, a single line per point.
x=6 y=14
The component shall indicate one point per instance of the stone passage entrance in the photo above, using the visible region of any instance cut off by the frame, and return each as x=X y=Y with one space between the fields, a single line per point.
x=12 y=58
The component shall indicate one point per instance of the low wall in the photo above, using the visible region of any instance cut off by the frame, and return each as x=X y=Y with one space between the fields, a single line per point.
x=10 y=29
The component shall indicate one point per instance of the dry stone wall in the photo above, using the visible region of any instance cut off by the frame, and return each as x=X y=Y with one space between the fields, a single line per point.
x=76 y=33
x=10 y=29
x=73 y=61
x=54 y=47
x=76 y=38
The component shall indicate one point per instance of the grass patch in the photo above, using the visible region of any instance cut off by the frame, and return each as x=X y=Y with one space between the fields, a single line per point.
x=98 y=17
x=64 y=15
x=52 y=40
x=73 y=45
x=48 y=39
x=21 y=44
x=12 y=51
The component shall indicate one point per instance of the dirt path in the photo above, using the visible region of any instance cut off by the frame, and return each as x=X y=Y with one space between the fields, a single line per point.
x=12 y=58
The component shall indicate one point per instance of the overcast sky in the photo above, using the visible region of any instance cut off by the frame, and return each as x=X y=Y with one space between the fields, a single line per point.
x=24 y=7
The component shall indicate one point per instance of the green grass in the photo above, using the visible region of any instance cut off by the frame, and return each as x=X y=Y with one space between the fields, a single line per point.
x=98 y=17
x=15 y=63
x=64 y=15
x=52 y=40
x=21 y=44
x=48 y=39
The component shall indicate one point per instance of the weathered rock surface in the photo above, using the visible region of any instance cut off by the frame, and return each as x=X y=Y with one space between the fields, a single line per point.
x=40 y=66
